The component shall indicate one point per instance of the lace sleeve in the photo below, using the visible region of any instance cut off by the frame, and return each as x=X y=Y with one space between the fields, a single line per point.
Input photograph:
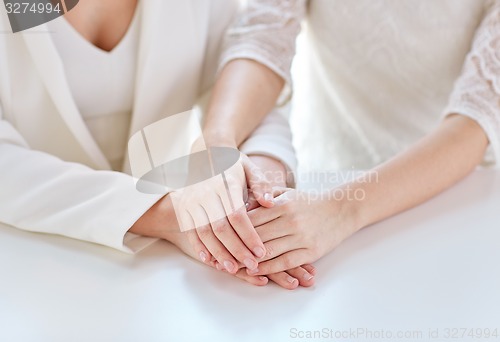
x=265 y=31
x=477 y=91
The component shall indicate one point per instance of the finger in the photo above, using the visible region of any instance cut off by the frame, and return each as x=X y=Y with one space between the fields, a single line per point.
x=280 y=190
x=233 y=189
x=310 y=268
x=236 y=213
x=305 y=278
x=210 y=241
x=258 y=281
x=262 y=215
x=228 y=237
x=284 y=262
x=284 y=280
x=200 y=249
x=220 y=267
x=217 y=249
x=275 y=229
x=243 y=227
x=198 y=215
x=186 y=214
x=226 y=234
x=184 y=220
x=278 y=247
x=251 y=202
x=258 y=183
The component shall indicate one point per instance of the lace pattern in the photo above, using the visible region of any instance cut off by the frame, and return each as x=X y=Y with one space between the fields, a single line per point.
x=265 y=31
x=477 y=91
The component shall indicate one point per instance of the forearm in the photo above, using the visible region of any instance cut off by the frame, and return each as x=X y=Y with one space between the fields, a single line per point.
x=430 y=166
x=245 y=92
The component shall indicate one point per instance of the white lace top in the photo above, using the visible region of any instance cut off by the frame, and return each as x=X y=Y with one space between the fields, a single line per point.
x=375 y=76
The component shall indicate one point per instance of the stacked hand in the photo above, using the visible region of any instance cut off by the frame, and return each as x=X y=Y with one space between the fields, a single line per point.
x=300 y=229
x=213 y=215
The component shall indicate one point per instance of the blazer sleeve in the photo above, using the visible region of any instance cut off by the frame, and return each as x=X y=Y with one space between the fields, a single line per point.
x=42 y=193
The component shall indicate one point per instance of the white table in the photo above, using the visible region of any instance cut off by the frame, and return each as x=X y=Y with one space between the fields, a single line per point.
x=434 y=267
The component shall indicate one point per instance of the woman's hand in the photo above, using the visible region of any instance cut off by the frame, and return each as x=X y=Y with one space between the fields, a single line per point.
x=299 y=276
x=160 y=221
x=276 y=175
x=214 y=216
x=301 y=228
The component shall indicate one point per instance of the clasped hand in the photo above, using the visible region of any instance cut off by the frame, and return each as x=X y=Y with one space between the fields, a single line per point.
x=213 y=215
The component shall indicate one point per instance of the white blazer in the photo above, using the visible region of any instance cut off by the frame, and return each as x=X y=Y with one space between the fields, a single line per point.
x=53 y=176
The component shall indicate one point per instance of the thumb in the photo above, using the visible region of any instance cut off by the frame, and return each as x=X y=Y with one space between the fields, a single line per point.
x=258 y=184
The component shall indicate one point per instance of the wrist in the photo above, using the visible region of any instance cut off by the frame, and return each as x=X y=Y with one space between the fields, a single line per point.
x=219 y=138
x=158 y=222
x=350 y=203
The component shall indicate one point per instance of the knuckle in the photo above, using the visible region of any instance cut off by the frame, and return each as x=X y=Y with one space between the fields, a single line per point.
x=311 y=255
x=311 y=244
x=194 y=240
x=294 y=223
x=270 y=251
x=292 y=220
x=315 y=245
x=241 y=254
x=219 y=255
x=220 y=228
x=203 y=232
x=236 y=218
x=287 y=262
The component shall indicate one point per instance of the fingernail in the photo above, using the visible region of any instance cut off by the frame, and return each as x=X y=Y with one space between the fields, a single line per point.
x=250 y=264
x=228 y=265
x=247 y=205
x=268 y=197
x=203 y=256
x=308 y=277
x=259 y=252
x=263 y=278
x=291 y=280
x=218 y=267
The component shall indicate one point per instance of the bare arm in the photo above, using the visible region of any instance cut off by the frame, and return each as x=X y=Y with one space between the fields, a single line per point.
x=301 y=231
x=439 y=160
x=432 y=165
x=244 y=94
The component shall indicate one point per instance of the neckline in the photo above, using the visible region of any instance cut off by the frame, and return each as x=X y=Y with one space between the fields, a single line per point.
x=128 y=33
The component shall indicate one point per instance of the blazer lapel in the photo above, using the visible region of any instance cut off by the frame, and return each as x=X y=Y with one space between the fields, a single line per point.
x=171 y=57
x=50 y=67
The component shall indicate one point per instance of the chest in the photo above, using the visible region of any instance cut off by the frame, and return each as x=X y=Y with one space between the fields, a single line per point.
x=102 y=22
